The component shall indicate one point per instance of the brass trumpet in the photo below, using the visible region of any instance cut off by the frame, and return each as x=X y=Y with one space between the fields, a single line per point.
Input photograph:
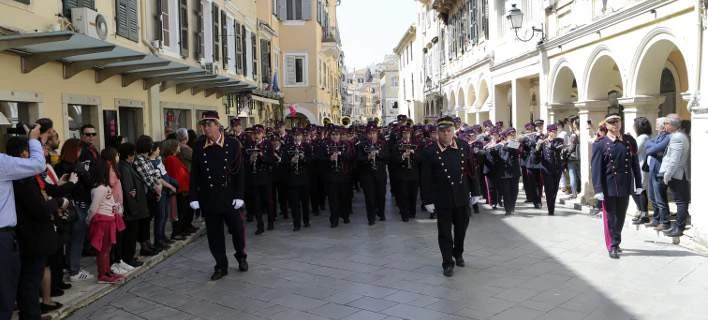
x=250 y=152
x=407 y=147
x=372 y=151
x=335 y=149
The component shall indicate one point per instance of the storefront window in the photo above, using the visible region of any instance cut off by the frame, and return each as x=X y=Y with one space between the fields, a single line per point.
x=80 y=115
x=175 y=119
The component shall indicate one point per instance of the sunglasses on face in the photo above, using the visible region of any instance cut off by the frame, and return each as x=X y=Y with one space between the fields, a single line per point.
x=612 y=121
x=90 y=134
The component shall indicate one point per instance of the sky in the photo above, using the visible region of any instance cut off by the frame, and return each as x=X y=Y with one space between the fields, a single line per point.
x=370 y=29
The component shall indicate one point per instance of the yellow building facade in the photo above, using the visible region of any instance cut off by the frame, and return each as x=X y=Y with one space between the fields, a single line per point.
x=133 y=67
x=312 y=60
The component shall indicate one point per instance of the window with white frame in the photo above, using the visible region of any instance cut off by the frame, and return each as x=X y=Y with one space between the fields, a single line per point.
x=296 y=69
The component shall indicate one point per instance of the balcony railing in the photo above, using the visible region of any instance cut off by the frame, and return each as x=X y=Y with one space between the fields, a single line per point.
x=330 y=35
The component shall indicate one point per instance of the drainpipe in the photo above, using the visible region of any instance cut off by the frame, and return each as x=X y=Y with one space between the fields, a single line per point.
x=699 y=55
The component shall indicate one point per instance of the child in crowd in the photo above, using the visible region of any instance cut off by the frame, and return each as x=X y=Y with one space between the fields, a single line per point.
x=105 y=220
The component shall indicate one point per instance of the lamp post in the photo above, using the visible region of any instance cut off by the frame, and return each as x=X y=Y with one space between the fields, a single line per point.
x=516 y=18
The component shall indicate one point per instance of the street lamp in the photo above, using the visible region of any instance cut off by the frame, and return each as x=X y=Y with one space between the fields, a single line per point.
x=516 y=18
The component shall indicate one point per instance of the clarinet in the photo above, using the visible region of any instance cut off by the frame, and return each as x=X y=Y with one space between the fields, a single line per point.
x=372 y=150
x=250 y=151
x=405 y=147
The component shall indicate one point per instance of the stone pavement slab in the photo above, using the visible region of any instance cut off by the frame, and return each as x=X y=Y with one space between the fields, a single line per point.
x=527 y=266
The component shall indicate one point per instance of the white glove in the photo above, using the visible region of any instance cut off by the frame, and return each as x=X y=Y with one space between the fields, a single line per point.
x=599 y=196
x=430 y=208
x=667 y=180
x=237 y=203
x=194 y=205
x=638 y=191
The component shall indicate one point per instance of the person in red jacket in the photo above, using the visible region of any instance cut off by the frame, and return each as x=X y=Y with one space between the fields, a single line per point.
x=178 y=170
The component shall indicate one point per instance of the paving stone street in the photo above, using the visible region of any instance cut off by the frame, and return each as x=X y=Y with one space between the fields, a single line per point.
x=528 y=266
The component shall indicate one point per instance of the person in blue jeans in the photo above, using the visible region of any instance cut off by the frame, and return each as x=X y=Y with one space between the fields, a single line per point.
x=675 y=172
x=162 y=205
x=655 y=149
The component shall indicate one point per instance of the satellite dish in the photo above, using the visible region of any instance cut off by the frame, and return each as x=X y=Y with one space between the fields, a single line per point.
x=101 y=27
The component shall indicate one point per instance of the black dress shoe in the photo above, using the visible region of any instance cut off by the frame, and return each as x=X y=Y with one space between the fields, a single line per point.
x=614 y=254
x=64 y=286
x=372 y=222
x=447 y=271
x=460 y=262
x=271 y=227
x=333 y=225
x=296 y=228
x=242 y=264
x=218 y=274
x=537 y=206
x=259 y=231
x=405 y=219
x=346 y=220
x=382 y=218
x=307 y=225
x=47 y=308
x=148 y=252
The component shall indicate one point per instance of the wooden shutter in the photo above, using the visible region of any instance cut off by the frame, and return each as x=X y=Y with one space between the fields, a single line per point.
x=306 y=9
x=485 y=19
x=244 y=58
x=290 y=70
x=265 y=61
x=215 y=31
x=183 y=28
x=127 y=19
x=254 y=52
x=163 y=22
x=282 y=9
x=198 y=30
x=248 y=53
x=224 y=42
x=238 y=42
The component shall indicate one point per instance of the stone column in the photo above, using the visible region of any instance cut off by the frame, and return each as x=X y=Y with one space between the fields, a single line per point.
x=640 y=106
x=558 y=111
x=595 y=111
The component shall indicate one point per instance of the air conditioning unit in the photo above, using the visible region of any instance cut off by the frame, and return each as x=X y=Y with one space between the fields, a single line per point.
x=89 y=22
x=208 y=66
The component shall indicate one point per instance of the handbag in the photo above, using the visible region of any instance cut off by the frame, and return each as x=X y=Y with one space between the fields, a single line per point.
x=69 y=214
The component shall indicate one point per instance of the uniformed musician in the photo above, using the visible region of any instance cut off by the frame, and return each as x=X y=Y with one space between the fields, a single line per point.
x=446 y=192
x=280 y=185
x=259 y=162
x=337 y=155
x=507 y=154
x=372 y=156
x=298 y=156
x=406 y=155
x=533 y=167
x=548 y=152
x=217 y=188
x=613 y=165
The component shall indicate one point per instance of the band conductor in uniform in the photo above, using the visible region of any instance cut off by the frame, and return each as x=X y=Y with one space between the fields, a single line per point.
x=446 y=192
x=217 y=188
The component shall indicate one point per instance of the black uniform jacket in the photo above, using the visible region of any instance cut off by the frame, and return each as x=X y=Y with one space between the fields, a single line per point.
x=217 y=176
x=443 y=177
x=298 y=174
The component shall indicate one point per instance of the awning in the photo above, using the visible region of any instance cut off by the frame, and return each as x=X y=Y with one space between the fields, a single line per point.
x=78 y=52
x=264 y=99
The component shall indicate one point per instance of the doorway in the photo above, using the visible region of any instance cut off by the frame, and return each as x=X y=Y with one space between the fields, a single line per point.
x=131 y=122
x=668 y=91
